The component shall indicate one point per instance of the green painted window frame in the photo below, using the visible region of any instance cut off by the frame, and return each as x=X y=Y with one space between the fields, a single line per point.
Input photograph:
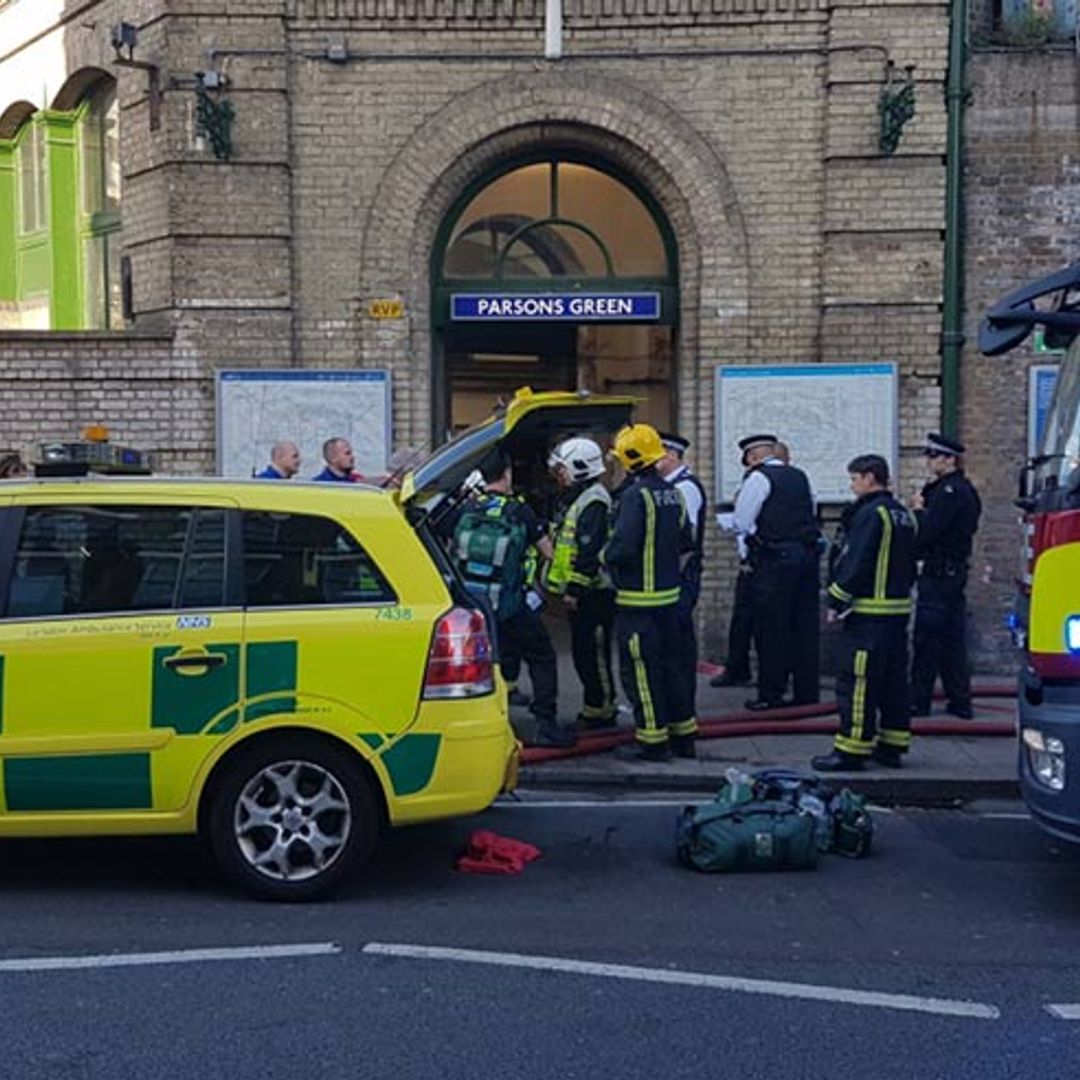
x=96 y=225
x=51 y=261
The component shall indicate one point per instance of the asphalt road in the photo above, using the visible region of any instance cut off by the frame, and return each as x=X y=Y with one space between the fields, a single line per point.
x=935 y=958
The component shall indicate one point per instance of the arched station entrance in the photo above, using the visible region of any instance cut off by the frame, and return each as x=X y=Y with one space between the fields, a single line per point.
x=554 y=271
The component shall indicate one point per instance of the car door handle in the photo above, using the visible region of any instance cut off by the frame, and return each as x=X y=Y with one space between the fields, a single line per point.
x=195 y=660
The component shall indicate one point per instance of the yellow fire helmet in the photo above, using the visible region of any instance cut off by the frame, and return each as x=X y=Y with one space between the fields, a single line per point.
x=638 y=446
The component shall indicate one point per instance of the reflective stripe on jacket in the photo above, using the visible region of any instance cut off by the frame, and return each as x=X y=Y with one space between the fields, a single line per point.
x=565 y=568
x=650 y=534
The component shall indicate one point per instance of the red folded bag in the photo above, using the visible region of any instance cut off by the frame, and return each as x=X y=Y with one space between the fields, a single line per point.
x=490 y=853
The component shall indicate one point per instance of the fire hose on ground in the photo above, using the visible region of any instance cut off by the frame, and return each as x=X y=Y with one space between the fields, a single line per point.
x=792 y=720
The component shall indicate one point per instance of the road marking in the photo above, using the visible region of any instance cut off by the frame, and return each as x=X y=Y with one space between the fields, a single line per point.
x=590 y=804
x=180 y=956
x=1003 y=816
x=1064 y=1012
x=807 y=991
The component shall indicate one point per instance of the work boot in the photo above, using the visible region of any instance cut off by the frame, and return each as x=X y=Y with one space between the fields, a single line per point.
x=729 y=678
x=638 y=751
x=961 y=711
x=758 y=705
x=593 y=724
x=551 y=734
x=684 y=746
x=837 y=761
x=888 y=756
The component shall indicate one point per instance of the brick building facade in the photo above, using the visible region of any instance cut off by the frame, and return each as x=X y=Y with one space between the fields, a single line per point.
x=750 y=126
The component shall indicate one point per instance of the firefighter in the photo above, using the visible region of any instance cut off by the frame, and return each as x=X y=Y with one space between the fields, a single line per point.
x=649 y=539
x=673 y=468
x=774 y=511
x=576 y=575
x=947 y=512
x=870 y=593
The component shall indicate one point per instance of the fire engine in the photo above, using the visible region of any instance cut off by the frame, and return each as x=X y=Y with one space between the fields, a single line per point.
x=1046 y=619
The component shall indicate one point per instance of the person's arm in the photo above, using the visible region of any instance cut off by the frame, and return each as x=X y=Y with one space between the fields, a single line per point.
x=749 y=501
x=939 y=518
x=628 y=532
x=535 y=531
x=853 y=572
x=592 y=529
x=693 y=502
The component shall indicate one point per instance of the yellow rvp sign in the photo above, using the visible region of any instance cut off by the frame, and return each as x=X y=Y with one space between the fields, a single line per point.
x=386 y=307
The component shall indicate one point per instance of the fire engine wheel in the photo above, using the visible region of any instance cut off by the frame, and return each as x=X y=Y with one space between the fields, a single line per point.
x=291 y=818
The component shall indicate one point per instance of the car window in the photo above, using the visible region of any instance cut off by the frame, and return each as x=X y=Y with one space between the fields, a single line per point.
x=304 y=560
x=81 y=560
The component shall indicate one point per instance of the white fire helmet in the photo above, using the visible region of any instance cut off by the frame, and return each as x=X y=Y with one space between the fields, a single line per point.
x=582 y=458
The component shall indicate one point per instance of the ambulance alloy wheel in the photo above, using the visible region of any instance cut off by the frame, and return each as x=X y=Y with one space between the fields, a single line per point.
x=292 y=817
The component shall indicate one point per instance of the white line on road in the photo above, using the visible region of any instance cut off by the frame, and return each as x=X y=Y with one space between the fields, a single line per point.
x=807 y=991
x=1002 y=816
x=1064 y=1012
x=181 y=956
x=592 y=804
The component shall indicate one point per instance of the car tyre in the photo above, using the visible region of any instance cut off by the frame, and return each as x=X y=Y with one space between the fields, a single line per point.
x=292 y=817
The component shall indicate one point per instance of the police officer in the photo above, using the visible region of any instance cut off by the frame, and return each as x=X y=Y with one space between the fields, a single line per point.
x=774 y=511
x=649 y=538
x=870 y=593
x=673 y=468
x=737 y=670
x=947 y=512
x=576 y=575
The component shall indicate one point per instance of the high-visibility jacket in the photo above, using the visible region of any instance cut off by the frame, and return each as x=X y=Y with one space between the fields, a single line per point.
x=648 y=539
x=875 y=569
x=579 y=538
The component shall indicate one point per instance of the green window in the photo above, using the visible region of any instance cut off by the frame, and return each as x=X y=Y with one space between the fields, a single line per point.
x=60 y=189
x=99 y=208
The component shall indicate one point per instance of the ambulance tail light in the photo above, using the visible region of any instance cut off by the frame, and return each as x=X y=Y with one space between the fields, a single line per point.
x=461 y=660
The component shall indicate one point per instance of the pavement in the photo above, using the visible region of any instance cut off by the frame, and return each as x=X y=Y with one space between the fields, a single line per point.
x=951 y=761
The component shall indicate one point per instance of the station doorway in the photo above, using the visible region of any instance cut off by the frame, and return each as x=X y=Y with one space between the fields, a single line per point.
x=484 y=368
x=557 y=272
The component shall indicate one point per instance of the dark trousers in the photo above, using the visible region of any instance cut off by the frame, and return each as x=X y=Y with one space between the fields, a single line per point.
x=591 y=625
x=684 y=704
x=871 y=684
x=940 y=640
x=740 y=629
x=524 y=637
x=649 y=670
x=784 y=589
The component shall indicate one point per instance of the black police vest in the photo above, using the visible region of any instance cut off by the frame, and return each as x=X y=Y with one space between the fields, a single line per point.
x=953 y=547
x=787 y=515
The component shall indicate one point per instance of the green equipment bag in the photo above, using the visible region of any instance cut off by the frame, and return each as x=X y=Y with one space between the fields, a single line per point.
x=490 y=551
x=733 y=833
x=844 y=825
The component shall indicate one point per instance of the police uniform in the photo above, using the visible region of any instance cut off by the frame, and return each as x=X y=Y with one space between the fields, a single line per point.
x=947 y=525
x=649 y=536
x=575 y=570
x=871 y=589
x=775 y=512
x=694 y=500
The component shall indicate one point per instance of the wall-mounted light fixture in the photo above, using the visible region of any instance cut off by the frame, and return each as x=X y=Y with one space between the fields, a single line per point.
x=896 y=106
x=125 y=35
